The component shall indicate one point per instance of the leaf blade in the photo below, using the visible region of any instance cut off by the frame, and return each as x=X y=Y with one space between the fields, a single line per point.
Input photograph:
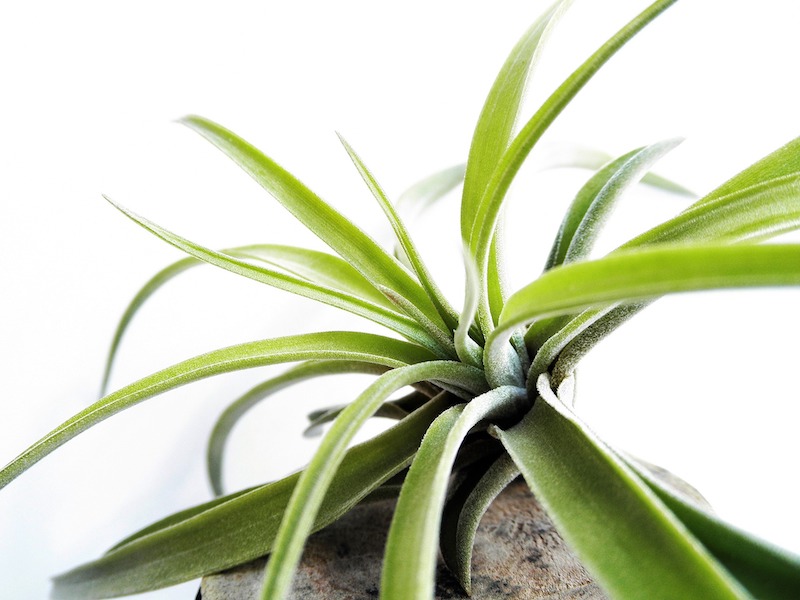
x=329 y=345
x=411 y=548
x=378 y=313
x=347 y=240
x=221 y=534
x=629 y=541
x=297 y=522
x=236 y=410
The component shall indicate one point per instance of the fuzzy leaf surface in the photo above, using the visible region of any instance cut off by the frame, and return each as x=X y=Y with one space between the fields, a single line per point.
x=242 y=526
x=409 y=568
x=299 y=517
x=237 y=409
x=333 y=228
x=286 y=280
x=350 y=346
x=618 y=528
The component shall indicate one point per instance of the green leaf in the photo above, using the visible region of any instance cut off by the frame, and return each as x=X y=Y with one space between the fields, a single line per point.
x=495 y=126
x=236 y=410
x=745 y=209
x=595 y=201
x=486 y=212
x=285 y=280
x=389 y=410
x=555 y=155
x=300 y=514
x=636 y=275
x=463 y=514
x=318 y=267
x=780 y=163
x=347 y=240
x=767 y=571
x=468 y=351
x=619 y=529
x=241 y=527
x=444 y=312
x=409 y=566
x=328 y=345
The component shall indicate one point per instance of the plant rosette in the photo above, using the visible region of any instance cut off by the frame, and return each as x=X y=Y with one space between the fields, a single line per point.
x=490 y=384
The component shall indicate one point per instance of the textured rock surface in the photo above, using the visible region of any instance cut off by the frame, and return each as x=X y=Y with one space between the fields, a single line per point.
x=518 y=555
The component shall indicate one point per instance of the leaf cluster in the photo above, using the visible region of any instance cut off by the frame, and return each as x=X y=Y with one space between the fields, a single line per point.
x=490 y=383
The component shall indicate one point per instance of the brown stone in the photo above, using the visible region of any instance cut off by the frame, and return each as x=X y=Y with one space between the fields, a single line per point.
x=518 y=555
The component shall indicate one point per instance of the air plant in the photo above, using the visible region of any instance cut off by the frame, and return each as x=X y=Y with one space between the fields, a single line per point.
x=491 y=385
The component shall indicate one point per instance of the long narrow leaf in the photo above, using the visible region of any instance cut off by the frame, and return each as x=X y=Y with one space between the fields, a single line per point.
x=237 y=409
x=409 y=565
x=328 y=345
x=619 y=529
x=495 y=126
x=583 y=224
x=760 y=202
x=446 y=313
x=317 y=267
x=347 y=240
x=300 y=514
x=376 y=312
x=463 y=514
x=241 y=527
x=767 y=571
x=488 y=209
x=638 y=275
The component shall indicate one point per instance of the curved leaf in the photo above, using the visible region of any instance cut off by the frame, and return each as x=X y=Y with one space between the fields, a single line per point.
x=636 y=275
x=495 y=126
x=241 y=527
x=488 y=209
x=619 y=529
x=446 y=313
x=286 y=281
x=318 y=267
x=463 y=514
x=347 y=240
x=328 y=345
x=767 y=571
x=236 y=410
x=300 y=514
x=409 y=564
x=595 y=201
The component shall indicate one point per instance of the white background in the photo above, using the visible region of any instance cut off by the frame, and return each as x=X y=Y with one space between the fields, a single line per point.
x=702 y=384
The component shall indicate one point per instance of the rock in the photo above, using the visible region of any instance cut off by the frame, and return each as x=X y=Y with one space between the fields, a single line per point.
x=518 y=556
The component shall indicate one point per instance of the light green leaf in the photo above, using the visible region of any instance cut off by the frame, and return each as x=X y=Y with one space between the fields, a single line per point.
x=555 y=155
x=636 y=275
x=409 y=566
x=314 y=346
x=445 y=314
x=619 y=529
x=486 y=212
x=347 y=240
x=388 y=410
x=317 y=267
x=468 y=351
x=780 y=163
x=241 y=527
x=495 y=126
x=595 y=201
x=300 y=514
x=285 y=280
x=236 y=410
x=463 y=514
x=767 y=571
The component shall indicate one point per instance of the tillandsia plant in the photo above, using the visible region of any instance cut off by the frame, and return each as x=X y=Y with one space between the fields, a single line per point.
x=490 y=385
